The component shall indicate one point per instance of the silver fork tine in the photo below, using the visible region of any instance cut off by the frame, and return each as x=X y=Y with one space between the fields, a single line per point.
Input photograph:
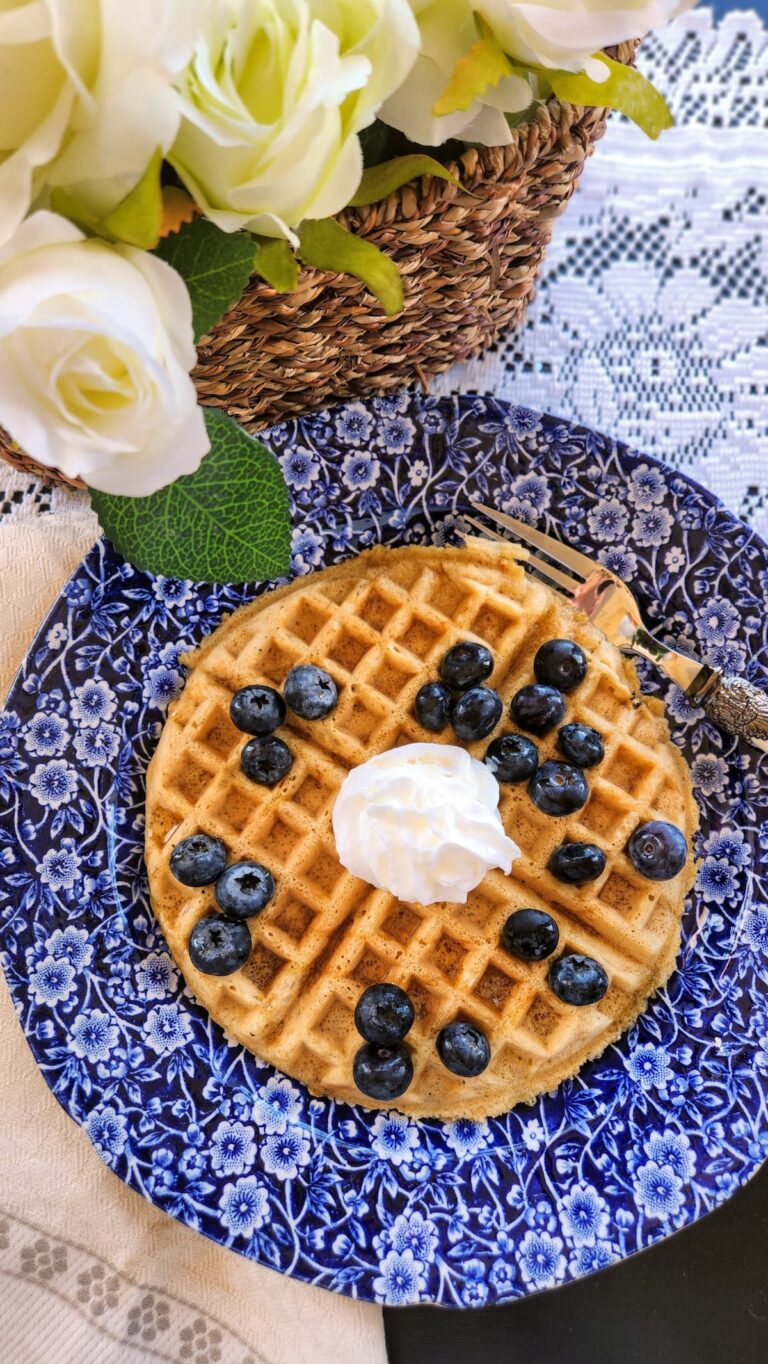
x=563 y=554
x=548 y=571
x=486 y=530
x=568 y=585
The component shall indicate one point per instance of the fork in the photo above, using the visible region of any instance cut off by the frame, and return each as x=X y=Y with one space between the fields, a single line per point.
x=731 y=702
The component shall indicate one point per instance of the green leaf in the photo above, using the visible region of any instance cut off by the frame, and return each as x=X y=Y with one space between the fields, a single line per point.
x=136 y=219
x=227 y=523
x=276 y=263
x=327 y=246
x=380 y=181
x=625 y=89
x=215 y=266
x=139 y=216
x=68 y=206
x=484 y=65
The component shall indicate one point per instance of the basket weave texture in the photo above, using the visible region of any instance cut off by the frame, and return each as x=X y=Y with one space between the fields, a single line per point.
x=468 y=256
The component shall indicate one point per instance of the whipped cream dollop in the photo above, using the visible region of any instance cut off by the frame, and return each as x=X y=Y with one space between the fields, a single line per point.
x=422 y=822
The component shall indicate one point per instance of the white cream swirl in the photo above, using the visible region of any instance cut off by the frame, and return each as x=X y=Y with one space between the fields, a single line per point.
x=422 y=822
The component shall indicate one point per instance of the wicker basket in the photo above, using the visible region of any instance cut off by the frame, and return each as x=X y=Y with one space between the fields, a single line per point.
x=468 y=261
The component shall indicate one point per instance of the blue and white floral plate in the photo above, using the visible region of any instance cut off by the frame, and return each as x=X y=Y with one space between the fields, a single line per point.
x=656 y=1132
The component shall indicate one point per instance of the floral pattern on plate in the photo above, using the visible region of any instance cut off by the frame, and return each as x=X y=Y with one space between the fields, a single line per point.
x=661 y=1128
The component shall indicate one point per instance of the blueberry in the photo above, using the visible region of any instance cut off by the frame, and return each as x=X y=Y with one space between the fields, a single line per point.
x=384 y=1014
x=530 y=934
x=466 y=665
x=537 y=708
x=244 y=888
x=310 y=692
x=581 y=745
x=558 y=789
x=219 y=946
x=577 y=980
x=432 y=706
x=266 y=760
x=382 y=1072
x=512 y=757
x=463 y=1049
x=476 y=713
x=658 y=850
x=198 y=860
x=257 y=710
x=560 y=663
x=577 y=862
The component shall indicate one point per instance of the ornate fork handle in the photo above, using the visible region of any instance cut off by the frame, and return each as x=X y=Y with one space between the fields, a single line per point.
x=740 y=708
x=734 y=704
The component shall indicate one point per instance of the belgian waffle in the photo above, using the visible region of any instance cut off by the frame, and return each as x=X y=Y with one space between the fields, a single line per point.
x=379 y=625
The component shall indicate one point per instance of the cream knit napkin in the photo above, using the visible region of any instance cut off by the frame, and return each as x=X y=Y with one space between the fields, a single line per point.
x=91 y=1273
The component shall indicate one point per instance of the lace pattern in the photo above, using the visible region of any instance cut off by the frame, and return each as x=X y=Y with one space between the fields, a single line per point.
x=712 y=74
x=651 y=317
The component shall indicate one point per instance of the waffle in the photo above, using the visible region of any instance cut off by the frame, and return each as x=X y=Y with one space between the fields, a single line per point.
x=380 y=624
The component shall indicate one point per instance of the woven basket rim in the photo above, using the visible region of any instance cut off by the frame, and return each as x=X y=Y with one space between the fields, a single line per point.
x=484 y=155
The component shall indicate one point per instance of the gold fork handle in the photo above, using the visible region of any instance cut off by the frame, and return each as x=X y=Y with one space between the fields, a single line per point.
x=690 y=674
x=739 y=708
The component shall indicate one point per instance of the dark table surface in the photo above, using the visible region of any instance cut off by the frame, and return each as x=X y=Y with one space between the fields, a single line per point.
x=701 y=1297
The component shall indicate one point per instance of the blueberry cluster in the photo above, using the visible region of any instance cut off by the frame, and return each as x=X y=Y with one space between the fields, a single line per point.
x=309 y=692
x=459 y=697
x=532 y=935
x=558 y=787
x=220 y=943
x=473 y=710
x=383 y=1068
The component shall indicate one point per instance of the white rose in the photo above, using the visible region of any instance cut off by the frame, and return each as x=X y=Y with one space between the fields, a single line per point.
x=96 y=347
x=565 y=36
x=561 y=36
x=273 y=100
x=87 y=95
x=448 y=29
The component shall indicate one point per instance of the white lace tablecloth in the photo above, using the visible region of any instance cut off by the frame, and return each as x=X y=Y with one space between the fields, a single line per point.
x=651 y=323
x=651 y=316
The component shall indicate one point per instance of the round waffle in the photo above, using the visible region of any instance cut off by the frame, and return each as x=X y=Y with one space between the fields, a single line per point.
x=380 y=624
